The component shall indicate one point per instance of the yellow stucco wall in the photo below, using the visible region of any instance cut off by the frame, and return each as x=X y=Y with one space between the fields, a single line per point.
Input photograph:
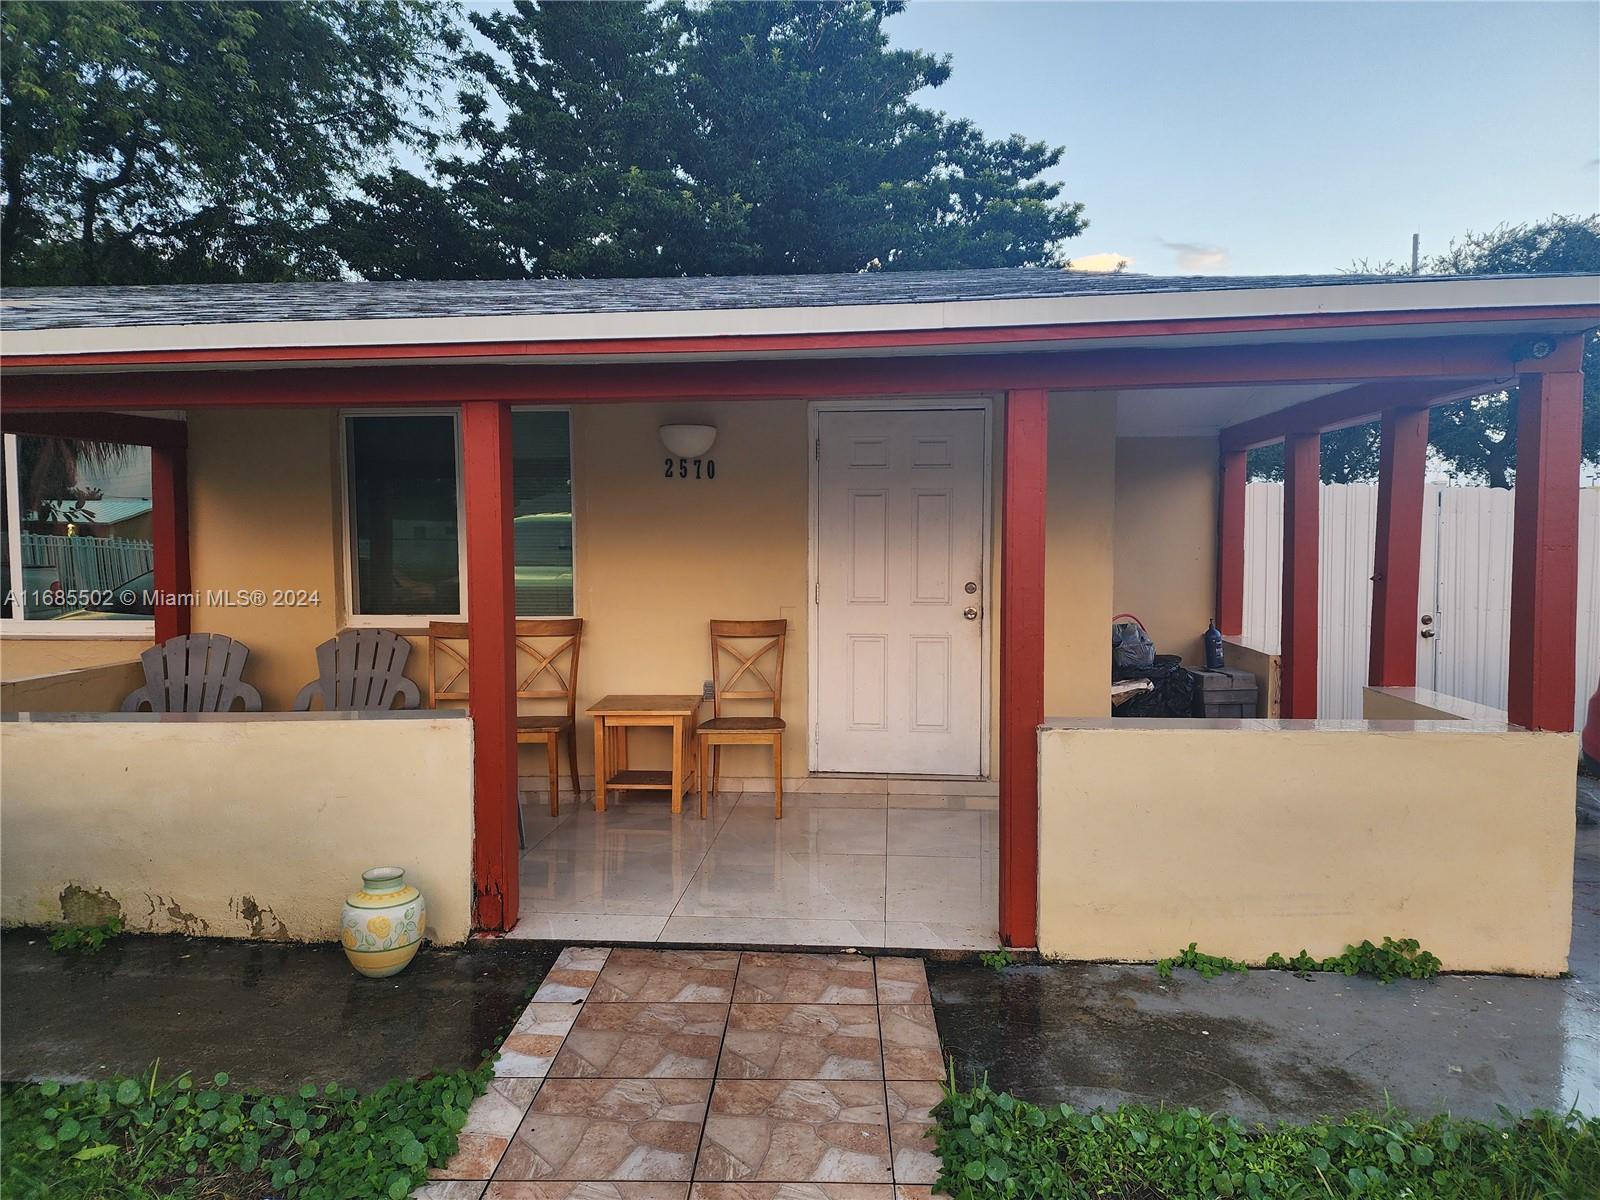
x=1079 y=525
x=26 y=657
x=1166 y=538
x=263 y=514
x=77 y=689
x=1247 y=841
x=234 y=826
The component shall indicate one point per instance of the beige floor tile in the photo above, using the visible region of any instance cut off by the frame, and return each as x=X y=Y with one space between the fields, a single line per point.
x=536 y=1039
x=449 y=1189
x=667 y=976
x=792 y=1191
x=643 y=1041
x=609 y=1129
x=802 y=1041
x=911 y=1126
x=910 y=1042
x=476 y=1156
x=913 y=1191
x=832 y=1131
x=504 y=1189
x=901 y=981
x=804 y=979
x=572 y=975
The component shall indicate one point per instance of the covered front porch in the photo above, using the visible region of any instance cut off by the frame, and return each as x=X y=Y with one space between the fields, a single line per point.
x=1109 y=475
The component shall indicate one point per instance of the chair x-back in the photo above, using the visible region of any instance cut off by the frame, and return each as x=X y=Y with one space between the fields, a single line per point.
x=742 y=655
x=546 y=669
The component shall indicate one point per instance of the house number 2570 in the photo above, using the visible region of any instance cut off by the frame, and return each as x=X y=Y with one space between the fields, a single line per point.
x=690 y=468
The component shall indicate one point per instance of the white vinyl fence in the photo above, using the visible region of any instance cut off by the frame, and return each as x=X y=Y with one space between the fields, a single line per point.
x=1465 y=585
x=88 y=564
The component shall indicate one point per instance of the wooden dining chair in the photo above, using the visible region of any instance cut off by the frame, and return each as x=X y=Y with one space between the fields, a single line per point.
x=545 y=647
x=743 y=647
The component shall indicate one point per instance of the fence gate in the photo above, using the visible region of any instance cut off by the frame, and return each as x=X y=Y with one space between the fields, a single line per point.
x=1465 y=587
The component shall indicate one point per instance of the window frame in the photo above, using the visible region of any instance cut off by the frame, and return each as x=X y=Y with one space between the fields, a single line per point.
x=47 y=628
x=418 y=622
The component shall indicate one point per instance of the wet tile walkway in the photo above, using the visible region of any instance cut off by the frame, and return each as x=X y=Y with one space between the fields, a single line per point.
x=641 y=1074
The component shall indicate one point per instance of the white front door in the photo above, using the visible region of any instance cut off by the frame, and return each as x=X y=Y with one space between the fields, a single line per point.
x=900 y=591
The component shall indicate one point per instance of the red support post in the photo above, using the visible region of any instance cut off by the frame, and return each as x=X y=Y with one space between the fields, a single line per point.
x=1544 y=556
x=1022 y=554
x=1302 y=468
x=1231 y=478
x=491 y=661
x=1397 y=557
x=169 y=531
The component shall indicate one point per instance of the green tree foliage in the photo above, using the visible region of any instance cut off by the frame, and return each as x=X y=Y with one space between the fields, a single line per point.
x=630 y=139
x=198 y=142
x=1476 y=439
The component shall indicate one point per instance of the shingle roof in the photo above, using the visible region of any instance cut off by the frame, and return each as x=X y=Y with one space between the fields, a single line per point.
x=205 y=304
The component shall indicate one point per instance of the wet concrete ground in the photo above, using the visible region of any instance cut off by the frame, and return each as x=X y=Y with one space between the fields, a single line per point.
x=273 y=1016
x=1269 y=1046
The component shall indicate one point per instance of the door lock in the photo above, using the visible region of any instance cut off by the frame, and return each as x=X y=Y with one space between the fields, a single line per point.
x=972 y=589
x=970 y=614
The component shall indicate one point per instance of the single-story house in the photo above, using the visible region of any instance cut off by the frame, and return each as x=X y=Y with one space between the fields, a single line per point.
x=946 y=483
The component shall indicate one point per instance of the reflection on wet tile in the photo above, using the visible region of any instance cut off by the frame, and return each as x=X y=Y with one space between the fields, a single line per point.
x=773 y=931
x=924 y=935
x=644 y=1129
x=561 y=927
x=901 y=981
x=667 y=976
x=958 y=891
x=805 y=829
x=824 y=1131
x=802 y=1041
x=911 y=1123
x=643 y=1041
x=804 y=979
x=910 y=1042
x=962 y=833
x=829 y=887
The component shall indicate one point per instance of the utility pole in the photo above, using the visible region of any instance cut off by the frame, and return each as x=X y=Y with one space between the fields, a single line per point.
x=1416 y=253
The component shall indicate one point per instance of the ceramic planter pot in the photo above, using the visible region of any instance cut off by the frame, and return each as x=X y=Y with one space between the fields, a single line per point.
x=383 y=923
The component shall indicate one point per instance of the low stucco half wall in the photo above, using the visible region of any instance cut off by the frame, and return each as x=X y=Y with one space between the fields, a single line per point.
x=1253 y=836
x=232 y=825
x=99 y=689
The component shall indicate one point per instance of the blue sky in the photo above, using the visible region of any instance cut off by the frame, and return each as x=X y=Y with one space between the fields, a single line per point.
x=1283 y=137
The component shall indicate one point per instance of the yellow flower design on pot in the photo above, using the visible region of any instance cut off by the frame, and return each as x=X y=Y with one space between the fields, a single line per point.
x=382 y=923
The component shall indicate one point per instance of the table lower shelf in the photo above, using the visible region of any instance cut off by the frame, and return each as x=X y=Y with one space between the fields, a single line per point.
x=660 y=781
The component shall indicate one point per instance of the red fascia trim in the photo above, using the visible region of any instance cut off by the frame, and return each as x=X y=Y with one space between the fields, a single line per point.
x=1351 y=406
x=790 y=343
x=97 y=426
x=1459 y=358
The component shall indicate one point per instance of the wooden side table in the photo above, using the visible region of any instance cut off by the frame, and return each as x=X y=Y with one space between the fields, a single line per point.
x=615 y=715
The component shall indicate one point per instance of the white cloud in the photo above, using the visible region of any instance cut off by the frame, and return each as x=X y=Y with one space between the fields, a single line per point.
x=1109 y=261
x=1194 y=257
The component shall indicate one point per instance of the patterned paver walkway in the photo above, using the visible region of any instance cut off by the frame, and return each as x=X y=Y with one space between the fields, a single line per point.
x=709 y=1075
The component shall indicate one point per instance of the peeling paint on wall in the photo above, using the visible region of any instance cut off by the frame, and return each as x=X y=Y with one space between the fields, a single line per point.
x=263 y=922
x=88 y=906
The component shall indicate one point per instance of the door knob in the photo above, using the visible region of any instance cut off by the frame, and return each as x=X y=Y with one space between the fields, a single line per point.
x=1428 y=633
x=970 y=614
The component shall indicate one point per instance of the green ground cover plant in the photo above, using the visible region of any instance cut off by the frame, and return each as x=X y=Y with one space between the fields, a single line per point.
x=85 y=938
x=996 y=1147
x=147 y=1138
x=1401 y=958
x=997 y=960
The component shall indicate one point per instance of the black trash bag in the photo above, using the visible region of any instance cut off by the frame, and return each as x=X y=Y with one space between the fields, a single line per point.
x=1131 y=647
x=1176 y=692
